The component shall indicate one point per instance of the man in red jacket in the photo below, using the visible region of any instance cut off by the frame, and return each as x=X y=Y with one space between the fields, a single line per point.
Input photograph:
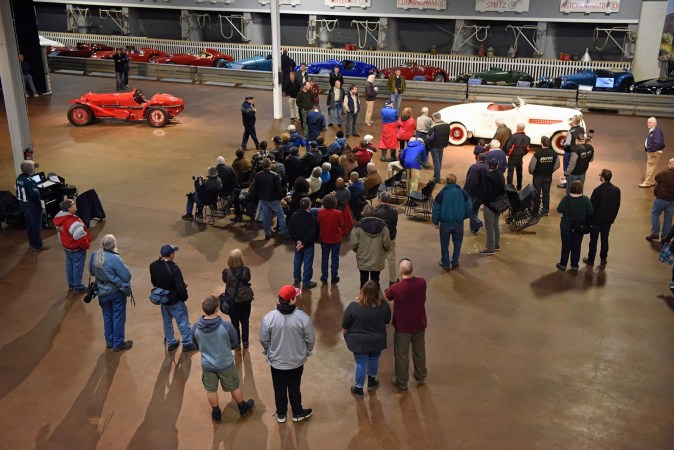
x=75 y=239
x=331 y=229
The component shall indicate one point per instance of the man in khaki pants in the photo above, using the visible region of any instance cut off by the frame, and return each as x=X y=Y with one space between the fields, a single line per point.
x=653 y=146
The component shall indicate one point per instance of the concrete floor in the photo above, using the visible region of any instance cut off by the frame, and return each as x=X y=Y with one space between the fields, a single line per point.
x=519 y=354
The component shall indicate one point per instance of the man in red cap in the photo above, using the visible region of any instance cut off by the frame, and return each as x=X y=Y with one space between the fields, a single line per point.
x=288 y=338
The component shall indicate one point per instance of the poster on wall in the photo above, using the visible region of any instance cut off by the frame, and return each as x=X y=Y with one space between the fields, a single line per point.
x=590 y=6
x=666 y=53
x=349 y=3
x=502 y=6
x=422 y=4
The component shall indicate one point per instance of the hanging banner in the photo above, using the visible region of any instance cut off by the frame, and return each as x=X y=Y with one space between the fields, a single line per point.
x=590 y=6
x=422 y=4
x=518 y=6
x=280 y=2
x=349 y=3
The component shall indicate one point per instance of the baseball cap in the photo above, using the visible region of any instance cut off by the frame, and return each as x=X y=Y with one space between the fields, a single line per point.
x=288 y=292
x=313 y=144
x=368 y=138
x=388 y=102
x=168 y=250
x=276 y=139
x=249 y=97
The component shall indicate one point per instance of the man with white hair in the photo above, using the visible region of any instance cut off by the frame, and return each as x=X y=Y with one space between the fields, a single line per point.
x=499 y=155
x=423 y=125
x=438 y=138
x=654 y=145
x=503 y=133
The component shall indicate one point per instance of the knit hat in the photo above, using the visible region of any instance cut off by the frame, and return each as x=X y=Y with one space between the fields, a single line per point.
x=287 y=293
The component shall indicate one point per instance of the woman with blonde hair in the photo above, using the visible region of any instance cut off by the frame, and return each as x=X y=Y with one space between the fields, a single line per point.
x=348 y=160
x=364 y=326
x=237 y=285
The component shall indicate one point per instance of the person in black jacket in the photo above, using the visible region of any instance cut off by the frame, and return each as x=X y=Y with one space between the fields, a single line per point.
x=121 y=60
x=227 y=177
x=303 y=229
x=248 y=119
x=336 y=75
x=389 y=214
x=541 y=166
x=287 y=66
x=494 y=187
x=516 y=148
x=267 y=189
x=582 y=154
x=575 y=209
x=165 y=274
x=605 y=201
x=206 y=193
x=291 y=89
x=438 y=138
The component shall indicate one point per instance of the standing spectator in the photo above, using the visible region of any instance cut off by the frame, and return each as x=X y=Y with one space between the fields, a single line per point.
x=475 y=184
x=389 y=132
x=165 y=274
x=336 y=97
x=516 y=148
x=29 y=201
x=582 y=154
x=451 y=207
x=499 y=155
x=541 y=166
x=75 y=239
x=575 y=208
x=653 y=146
x=302 y=74
x=287 y=337
x=389 y=214
x=248 y=119
x=315 y=92
x=316 y=123
x=364 y=327
x=287 y=67
x=668 y=240
x=396 y=86
x=114 y=285
x=423 y=126
x=605 y=201
x=494 y=188
x=663 y=203
x=357 y=200
x=370 y=97
x=438 y=138
x=502 y=134
x=351 y=105
x=331 y=229
x=370 y=239
x=335 y=76
x=236 y=277
x=28 y=77
x=294 y=166
x=215 y=339
x=406 y=127
x=412 y=159
x=305 y=104
x=241 y=164
x=409 y=321
x=126 y=68
x=267 y=187
x=303 y=229
x=575 y=129
x=480 y=148
x=121 y=60
x=292 y=88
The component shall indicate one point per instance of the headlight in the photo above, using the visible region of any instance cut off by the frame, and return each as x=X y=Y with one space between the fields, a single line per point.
x=658 y=91
x=632 y=87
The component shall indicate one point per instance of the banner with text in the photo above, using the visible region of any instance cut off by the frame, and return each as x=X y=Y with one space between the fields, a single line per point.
x=349 y=3
x=422 y=4
x=502 y=6
x=590 y=6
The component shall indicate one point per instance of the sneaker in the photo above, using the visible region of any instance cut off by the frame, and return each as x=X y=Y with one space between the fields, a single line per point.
x=652 y=237
x=280 y=418
x=444 y=267
x=396 y=383
x=41 y=249
x=331 y=125
x=125 y=346
x=173 y=346
x=421 y=381
x=246 y=407
x=560 y=267
x=357 y=391
x=70 y=287
x=455 y=266
x=297 y=283
x=497 y=249
x=486 y=252
x=189 y=348
x=108 y=345
x=309 y=285
x=36 y=95
x=588 y=261
x=356 y=135
x=304 y=414
x=188 y=216
x=372 y=383
x=267 y=237
x=646 y=185
x=324 y=280
x=335 y=280
x=216 y=414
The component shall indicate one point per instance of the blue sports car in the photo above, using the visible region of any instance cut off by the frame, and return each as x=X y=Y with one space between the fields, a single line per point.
x=597 y=79
x=257 y=62
x=347 y=68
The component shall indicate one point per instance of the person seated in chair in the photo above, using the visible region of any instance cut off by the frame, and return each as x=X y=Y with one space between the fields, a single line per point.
x=315 y=181
x=373 y=178
x=293 y=165
x=357 y=201
x=241 y=165
x=227 y=177
x=206 y=193
x=342 y=194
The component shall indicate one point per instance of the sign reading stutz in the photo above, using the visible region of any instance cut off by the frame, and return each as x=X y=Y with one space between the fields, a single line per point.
x=502 y=6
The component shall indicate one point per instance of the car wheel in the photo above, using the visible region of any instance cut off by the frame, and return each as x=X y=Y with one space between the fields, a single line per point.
x=439 y=78
x=80 y=115
x=220 y=63
x=625 y=86
x=157 y=116
x=457 y=134
x=557 y=142
x=527 y=79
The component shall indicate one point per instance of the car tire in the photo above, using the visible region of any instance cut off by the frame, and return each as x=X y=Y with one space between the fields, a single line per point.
x=80 y=115
x=457 y=134
x=625 y=86
x=557 y=142
x=439 y=78
x=527 y=79
x=220 y=63
x=157 y=116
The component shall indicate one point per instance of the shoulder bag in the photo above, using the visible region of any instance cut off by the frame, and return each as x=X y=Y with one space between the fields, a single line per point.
x=500 y=204
x=578 y=226
x=160 y=296
x=227 y=301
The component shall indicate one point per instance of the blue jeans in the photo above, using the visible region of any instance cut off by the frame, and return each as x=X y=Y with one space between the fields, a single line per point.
x=455 y=231
x=119 y=80
x=33 y=215
x=306 y=257
x=351 y=120
x=437 y=154
x=565 y=160
x=179 y=313
x=659 y=207
x=336 y=109
x=75 y=267
x=475 y=222
x=571 y=178
x=396 y=99
x=191 y=200
x=114 y=317
x=28 y=78
x=595 y=231
x=571 y=244
x=326 y=249
x=366 y=363
x=267 y=209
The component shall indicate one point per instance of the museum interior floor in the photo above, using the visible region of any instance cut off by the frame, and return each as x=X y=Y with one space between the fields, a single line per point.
x=519 y=354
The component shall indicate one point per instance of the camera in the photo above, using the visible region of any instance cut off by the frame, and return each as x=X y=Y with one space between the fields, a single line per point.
x=197 y=178
x=92 y=292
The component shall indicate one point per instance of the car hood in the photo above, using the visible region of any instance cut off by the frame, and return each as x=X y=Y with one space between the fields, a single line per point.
x=166 y=100
x=656 y=82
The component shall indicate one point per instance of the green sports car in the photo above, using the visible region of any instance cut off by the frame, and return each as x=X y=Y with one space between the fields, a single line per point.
x=496 y=75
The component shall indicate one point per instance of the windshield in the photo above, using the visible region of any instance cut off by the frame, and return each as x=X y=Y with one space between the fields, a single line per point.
x=138 y=97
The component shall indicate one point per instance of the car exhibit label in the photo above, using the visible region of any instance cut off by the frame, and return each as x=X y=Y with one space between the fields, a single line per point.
x=502 y=6
x=422 y=4
x=590 y=6
x=349 y=3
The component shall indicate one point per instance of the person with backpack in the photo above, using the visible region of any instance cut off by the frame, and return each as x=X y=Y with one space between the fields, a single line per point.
x=237 y=286
x=75 y=239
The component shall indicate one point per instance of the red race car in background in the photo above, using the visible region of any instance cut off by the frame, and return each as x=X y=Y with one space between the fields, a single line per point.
x=81 y=50
x=413 y=72
x=208 y=57
x=126 y=106
x=143 y=55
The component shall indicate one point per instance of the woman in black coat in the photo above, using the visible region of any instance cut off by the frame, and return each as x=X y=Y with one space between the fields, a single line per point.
x=575 y=209
x=237 y=285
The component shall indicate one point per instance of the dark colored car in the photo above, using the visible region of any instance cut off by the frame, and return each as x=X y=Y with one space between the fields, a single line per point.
x=496 y=75
x=347 y=67
x=657 y=86
x=258 y=62
x=80 y=50
x=413 y=72
x=597 y=79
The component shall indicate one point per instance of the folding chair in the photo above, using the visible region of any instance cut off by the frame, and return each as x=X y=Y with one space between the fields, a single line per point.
x=420 y=203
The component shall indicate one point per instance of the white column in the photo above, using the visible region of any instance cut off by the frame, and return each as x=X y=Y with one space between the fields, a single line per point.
x=13 y=90
x=276 y=59
x=651 y=21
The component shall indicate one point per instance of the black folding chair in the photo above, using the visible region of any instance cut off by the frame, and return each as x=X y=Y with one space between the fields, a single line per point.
x=420 y=203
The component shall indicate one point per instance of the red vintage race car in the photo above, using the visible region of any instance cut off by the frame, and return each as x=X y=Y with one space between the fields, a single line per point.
x=208 y=58
x=414 y=72
x=143 y=55
x=80 y=50
x=126 y=106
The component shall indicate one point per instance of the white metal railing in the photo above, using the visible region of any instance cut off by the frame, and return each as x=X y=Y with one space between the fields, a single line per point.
x=454 y=65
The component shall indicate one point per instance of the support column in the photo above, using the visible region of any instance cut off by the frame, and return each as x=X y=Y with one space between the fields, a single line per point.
x=651 y=21
x=311 y=38
x=13 y=90
x=276 y=59
x=549 y=41
x=388 y=34
x=459 y=37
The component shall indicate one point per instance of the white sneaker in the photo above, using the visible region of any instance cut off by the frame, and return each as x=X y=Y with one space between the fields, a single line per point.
x=36 y=95
x=646 y=185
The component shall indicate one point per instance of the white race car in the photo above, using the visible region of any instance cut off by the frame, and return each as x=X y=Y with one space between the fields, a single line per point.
x=478 y=120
